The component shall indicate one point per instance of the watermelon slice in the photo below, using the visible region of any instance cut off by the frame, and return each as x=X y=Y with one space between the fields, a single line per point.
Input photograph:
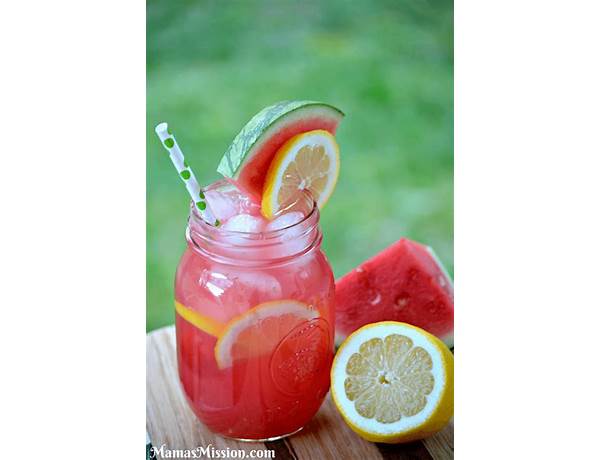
x=249 y=156
x=405 y=282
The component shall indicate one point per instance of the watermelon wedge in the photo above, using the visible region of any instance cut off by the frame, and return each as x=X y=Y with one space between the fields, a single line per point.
x=249 y=156
x=405 y=282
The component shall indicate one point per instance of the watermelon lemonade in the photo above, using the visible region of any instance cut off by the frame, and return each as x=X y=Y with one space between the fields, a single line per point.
x=254 y=293
x=254 y=316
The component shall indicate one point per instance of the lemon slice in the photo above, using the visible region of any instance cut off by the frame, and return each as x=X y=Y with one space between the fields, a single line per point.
x=202 y=322
x=307 y=161
x=393 y=382
x=259 y=330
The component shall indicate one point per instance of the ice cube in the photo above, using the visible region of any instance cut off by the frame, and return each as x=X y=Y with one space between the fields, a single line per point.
x=285 y=220
x=226 y=201
x=293 y=239
x=266 y=285
x=244 y=223
x=249 y=288
x=216 y=283
x=246 y=205
x=223 y=205
x=238 y=290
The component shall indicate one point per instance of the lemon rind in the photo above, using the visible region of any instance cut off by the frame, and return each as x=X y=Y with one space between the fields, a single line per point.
x=202 y=322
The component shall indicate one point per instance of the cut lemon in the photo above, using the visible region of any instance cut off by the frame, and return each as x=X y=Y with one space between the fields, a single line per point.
x=393 y=382
x=308 y=161
x=259 y=330
x=202 y=322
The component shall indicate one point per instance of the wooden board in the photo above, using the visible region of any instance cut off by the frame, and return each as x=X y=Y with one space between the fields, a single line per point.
x=171 y=422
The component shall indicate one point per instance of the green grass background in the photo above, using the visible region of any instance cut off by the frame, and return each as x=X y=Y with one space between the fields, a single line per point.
x=388 y=64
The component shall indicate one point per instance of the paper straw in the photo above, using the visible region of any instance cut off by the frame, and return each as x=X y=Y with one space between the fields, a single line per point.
x=185 y=172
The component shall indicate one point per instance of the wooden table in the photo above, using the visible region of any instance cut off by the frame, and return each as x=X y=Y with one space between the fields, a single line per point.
x=171 y=422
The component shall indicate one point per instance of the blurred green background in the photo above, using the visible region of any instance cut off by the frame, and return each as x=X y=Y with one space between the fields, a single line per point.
x=388 y=65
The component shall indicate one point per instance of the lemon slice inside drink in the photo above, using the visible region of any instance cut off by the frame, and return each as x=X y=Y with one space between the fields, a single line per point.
x=393 y=382
x=259 y=330
x=202 y=322
x=308 y=161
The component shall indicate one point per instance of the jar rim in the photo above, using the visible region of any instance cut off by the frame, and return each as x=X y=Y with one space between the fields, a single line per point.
x=306 y=195
x=230 y=246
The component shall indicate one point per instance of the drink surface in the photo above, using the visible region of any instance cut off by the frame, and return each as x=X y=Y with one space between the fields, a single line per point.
x=255 y=318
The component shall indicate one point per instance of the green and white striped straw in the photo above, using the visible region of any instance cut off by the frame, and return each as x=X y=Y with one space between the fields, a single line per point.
x=185 y=172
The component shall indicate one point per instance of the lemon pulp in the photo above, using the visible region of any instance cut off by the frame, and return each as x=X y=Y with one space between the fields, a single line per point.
x=388 y=379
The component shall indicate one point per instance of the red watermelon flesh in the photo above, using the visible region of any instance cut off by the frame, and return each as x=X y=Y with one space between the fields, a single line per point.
x=252 y=178
x=247 y=160
x=404 y=282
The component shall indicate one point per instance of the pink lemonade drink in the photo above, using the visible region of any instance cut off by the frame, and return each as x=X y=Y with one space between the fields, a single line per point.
x=254 y=317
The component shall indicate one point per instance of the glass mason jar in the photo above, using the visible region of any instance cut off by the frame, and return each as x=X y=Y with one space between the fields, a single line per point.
x=255 y=326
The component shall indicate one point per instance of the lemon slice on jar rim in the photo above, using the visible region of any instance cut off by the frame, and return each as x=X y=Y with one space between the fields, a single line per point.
x=393 y=382
x=308 y=161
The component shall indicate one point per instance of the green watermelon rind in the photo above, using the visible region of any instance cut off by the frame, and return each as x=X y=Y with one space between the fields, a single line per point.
x=448 y=339
x=438 y=261
x=257 y=129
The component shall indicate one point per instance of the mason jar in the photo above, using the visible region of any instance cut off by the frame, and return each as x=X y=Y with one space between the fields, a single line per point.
x=255 y=325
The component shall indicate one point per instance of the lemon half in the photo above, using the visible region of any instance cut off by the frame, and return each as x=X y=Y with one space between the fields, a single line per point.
x=393 y=382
